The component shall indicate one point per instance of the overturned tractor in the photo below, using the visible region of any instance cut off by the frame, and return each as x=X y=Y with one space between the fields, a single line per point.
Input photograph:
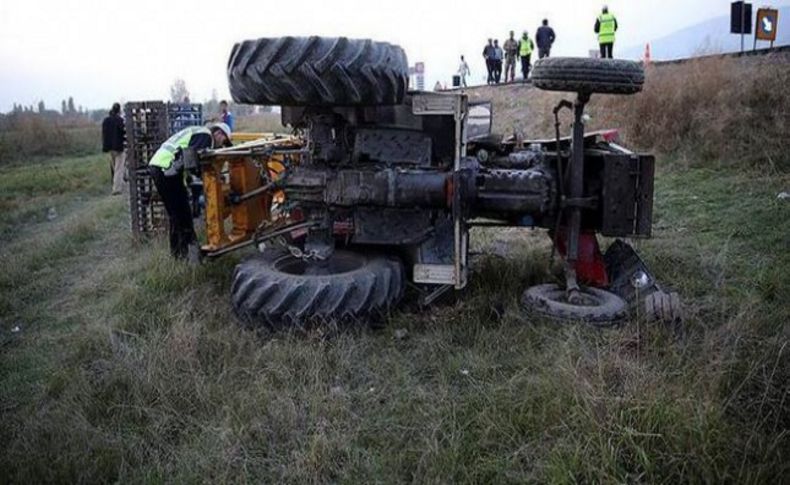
x=382 y=185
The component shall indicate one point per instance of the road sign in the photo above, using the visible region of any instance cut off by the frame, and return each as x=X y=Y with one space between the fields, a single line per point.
x=767 y=23
x=740 y=18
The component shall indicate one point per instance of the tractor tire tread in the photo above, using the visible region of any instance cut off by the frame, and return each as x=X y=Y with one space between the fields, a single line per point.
x=317 y=71
x=610 y=308
x=577 y=74
x=264 y=296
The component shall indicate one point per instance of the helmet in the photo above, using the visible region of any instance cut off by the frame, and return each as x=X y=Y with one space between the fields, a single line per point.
x=222 y=127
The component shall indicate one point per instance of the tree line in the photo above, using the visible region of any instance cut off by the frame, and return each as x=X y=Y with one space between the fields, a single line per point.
x=67 y=108
x=179 y=93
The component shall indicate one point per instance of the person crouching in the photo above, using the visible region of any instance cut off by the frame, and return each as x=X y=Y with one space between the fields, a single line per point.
x=169 y=174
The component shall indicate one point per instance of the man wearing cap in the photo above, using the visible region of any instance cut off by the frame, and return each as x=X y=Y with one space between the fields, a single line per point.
x=168 y=168
x=511 y=51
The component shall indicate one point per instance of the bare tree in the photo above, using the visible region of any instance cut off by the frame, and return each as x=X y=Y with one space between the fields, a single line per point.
x=178 y=91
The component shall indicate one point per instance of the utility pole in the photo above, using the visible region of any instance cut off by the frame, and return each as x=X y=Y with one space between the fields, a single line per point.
x=743 y=23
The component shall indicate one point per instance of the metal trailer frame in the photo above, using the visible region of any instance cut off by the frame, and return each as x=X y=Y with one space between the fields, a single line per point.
x=148 y=124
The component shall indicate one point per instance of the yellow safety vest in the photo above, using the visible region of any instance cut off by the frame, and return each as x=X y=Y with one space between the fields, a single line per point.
x=606 y=23
x=164 y=156
x=525 y=47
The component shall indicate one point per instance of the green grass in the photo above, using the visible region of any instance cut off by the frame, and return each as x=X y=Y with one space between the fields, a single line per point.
x=130 y=367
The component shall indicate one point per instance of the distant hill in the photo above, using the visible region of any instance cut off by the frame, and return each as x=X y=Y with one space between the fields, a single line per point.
x=709 y=37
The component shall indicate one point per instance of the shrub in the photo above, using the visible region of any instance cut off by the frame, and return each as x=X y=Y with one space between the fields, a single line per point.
x=30 y=135
x=718 y=111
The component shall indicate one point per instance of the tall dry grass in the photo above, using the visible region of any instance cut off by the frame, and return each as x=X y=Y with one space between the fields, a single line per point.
x=23 y=136
x=718 y=112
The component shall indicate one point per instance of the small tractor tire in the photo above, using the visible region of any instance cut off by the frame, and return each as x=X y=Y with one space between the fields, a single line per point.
x=317 y=71
x=277 y=290
x=664 y=307
x=601 y=307
x=584 y=75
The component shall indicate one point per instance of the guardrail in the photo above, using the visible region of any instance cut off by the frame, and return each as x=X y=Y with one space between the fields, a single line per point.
x=784 y=49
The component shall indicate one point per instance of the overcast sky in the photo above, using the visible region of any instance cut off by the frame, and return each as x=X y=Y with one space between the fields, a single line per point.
x=100 y=51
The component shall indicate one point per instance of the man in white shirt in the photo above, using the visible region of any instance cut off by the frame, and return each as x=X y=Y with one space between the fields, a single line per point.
x=463 y=71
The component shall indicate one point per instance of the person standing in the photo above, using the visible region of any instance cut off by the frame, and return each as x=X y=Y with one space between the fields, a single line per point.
x=168 y=171
x=605 y=27
x=488 y=55
x=463 y=71
x=525 y=48
x=498 y=54
x=545 y=39
x=113 y=135
x=511 y=52
x=226 y=116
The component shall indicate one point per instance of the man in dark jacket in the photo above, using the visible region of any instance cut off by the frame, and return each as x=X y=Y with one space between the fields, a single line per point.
x=113 y=134
x=545 y=39
x=488 y=55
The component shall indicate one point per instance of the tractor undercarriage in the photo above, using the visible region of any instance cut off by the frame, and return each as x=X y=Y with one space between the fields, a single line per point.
x=368 y=198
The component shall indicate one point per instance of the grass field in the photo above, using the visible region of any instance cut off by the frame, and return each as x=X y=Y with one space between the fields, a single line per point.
x=130 y=367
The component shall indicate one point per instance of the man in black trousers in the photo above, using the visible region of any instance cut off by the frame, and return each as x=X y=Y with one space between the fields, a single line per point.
x=168 y=170
x=113 y=135
x=488 y=55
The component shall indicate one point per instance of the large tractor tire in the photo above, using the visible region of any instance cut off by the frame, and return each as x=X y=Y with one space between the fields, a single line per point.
x=586 y=75
x=317 y=71
x=277 y=290
x=598 y=307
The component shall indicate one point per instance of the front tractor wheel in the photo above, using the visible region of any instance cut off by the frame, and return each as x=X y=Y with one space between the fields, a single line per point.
x=583 y=75
x=597 y=307
x=278 y=290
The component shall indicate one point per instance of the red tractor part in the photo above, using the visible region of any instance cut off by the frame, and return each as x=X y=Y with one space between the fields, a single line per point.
x=590 y=265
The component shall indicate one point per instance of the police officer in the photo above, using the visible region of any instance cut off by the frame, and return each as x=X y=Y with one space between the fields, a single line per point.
x=525 y=48
x=605 y=27
x=167 y=168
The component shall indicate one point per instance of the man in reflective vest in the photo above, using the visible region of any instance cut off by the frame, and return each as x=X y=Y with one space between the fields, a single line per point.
x=168 y=170
x=525 y=48
x=605 y=27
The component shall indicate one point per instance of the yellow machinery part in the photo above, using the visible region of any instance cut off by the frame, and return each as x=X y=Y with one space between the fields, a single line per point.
x=243 y=175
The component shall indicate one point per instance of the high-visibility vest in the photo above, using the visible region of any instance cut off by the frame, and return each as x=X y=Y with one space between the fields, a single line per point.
x=525 y=47
x=164 y=156
x=606 y=23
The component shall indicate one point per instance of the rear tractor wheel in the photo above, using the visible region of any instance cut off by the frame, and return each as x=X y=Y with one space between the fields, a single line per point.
x=317 y=71
x=279 y=290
